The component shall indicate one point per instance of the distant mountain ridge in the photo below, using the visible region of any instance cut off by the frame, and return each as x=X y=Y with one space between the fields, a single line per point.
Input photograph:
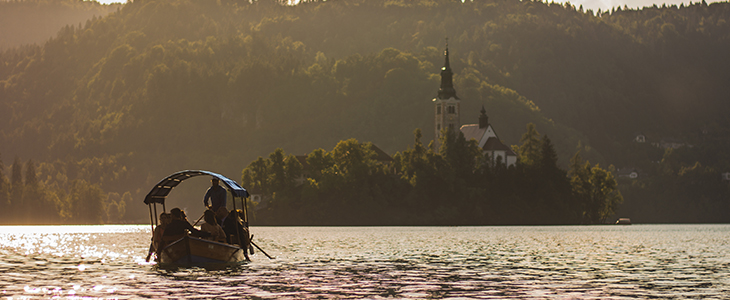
x=168 y=84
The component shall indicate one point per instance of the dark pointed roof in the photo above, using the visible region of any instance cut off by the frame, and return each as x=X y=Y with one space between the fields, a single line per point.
x=483 y=119
x=302 y=160
x=381 y=156
x=447 y=90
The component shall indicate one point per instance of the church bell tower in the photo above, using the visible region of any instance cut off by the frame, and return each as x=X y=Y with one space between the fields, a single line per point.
x=447 y=104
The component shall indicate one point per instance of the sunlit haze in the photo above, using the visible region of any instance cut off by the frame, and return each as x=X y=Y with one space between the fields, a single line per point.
x=587 y=4
x=608 y=4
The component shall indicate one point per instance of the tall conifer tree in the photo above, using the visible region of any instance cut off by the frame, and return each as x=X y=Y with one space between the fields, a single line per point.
x=16 y=188
x=529 y=151
x=4 y=190
x=31 y=178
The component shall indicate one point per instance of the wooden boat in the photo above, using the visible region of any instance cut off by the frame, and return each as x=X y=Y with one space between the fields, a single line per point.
x=194 y=251
x=623 y=221
x=186 y=250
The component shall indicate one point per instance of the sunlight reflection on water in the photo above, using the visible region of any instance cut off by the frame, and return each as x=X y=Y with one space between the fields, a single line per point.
x=558 y=262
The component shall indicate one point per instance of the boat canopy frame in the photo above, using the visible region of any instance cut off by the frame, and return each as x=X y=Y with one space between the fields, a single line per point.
x=159 y=193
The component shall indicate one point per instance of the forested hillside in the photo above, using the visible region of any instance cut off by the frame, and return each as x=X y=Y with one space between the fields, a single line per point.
x=25 y=22
x=164 y=85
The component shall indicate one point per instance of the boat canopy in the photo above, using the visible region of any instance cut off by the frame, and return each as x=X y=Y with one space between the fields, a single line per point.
x=163 y=188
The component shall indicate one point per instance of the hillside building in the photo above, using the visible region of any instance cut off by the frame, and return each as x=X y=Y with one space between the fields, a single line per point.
x=448 y=116
x=631 y=173
x=447 y=104
x=488 y=140
x=640 y=138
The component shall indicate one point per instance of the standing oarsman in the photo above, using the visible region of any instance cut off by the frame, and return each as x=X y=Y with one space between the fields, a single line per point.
x=216 y=194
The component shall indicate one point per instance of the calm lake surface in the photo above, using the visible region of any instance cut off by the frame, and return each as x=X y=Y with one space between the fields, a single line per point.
x=536 y=262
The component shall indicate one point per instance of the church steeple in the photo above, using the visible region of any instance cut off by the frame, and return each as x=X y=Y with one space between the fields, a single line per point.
x=483 y=119
x=447 y=105
x=447 y=90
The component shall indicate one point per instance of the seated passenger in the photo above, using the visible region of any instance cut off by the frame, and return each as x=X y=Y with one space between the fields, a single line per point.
x=184 y=216
x=165 y=219
x=211 y=226
x=235 y=232
x=221 y=215
x=178 y=226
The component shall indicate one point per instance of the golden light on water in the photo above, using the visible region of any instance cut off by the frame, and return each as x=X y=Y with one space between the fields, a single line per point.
x=68 y=261
x=81 y=241
x=540 y=262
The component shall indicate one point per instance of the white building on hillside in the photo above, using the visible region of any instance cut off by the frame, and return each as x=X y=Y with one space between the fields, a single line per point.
x=488 y=140
x=448 y=116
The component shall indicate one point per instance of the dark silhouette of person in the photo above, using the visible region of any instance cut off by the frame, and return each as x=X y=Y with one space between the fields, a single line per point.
x=216 y=194
x=178 y=226
x=236 y=233
x=221 y=214
x=211 y=226
x=165 y=219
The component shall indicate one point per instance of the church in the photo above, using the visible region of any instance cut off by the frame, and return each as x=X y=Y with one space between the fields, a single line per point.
x=448 y=115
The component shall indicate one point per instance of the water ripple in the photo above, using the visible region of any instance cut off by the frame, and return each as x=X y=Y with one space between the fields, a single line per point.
x=571 y=262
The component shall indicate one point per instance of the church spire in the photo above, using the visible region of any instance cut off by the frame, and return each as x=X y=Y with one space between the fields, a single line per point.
x=483 y=119
x=447 y=90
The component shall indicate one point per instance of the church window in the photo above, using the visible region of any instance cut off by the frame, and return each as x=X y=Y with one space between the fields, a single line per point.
x=451 y=126
x=452 y=109
x=438 y=127
x=438 y=110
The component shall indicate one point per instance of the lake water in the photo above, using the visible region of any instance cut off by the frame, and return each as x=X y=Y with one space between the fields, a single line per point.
x=537 y=262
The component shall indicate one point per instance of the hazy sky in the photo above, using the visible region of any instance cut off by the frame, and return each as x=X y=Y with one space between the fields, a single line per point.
x=608 y=4
x=587 y=4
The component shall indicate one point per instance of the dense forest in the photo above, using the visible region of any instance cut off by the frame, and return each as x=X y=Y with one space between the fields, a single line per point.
x=456 y=184
x=108 y=107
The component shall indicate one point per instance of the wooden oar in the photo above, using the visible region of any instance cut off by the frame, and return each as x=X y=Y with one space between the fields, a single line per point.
x=201 y=217
x=251 y=241
x=152 y=224
x=262 y=250
x=149 y=254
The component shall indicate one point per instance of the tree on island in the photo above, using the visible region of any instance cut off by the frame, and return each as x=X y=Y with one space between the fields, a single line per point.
x=458 y=185
x=595 y=191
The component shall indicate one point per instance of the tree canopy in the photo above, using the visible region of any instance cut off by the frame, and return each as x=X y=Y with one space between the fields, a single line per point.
x=162 y=85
